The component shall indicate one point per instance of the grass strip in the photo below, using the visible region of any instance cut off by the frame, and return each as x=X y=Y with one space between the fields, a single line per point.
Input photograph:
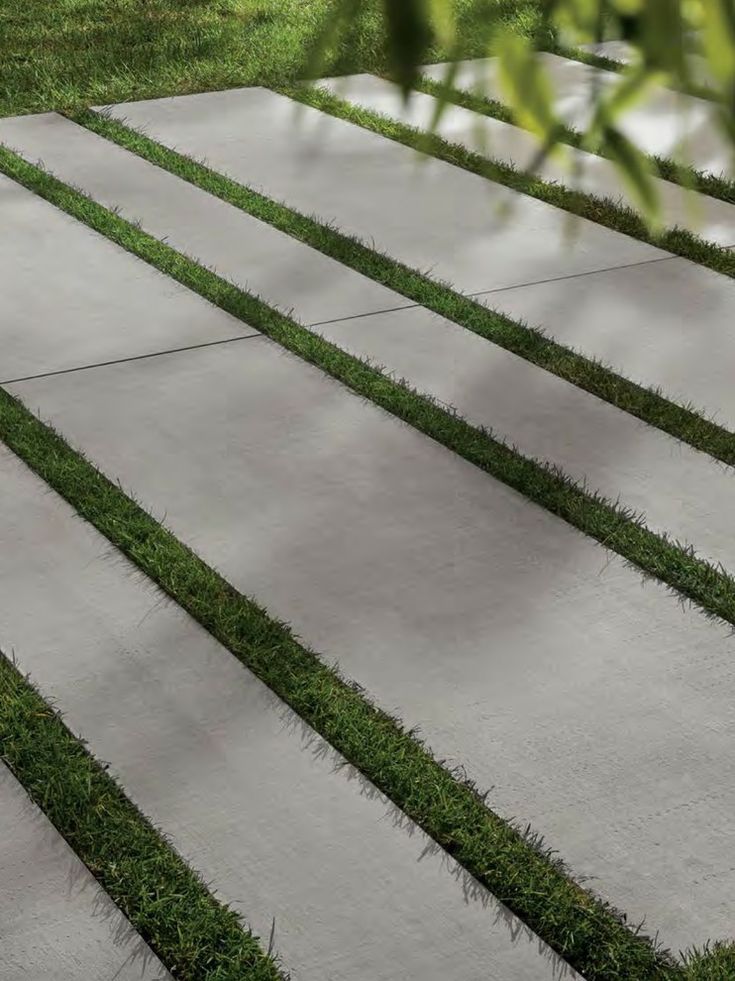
x=513 y=864
x=602 y=210
x=196 y=936
x=682 y=422
x=667 y=169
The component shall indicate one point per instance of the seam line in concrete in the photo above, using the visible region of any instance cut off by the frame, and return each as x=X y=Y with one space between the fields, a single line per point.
x=360 y=316
x=591 y=272
x=137 y=357
x=498 y=289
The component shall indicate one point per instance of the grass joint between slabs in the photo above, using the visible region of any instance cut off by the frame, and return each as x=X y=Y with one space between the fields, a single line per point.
x=531 y=882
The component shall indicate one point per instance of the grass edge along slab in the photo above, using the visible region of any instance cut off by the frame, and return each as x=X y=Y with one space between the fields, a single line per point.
x=682 y=422
x=195 y=935
x=513 y=865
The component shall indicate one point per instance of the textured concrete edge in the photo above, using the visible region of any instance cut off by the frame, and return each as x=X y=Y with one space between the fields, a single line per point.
x=129 y=857
x=682 y=422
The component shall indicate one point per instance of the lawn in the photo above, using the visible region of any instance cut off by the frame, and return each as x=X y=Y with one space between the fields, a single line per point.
x=66 y=53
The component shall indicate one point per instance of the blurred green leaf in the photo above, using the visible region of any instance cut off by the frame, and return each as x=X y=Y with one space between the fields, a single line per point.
x=663 y=32
x=409 y=24
x=525 y=85
x=718 y=39
x=635 y=172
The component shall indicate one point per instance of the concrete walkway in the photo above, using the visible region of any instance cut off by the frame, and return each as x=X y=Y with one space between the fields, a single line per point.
x=247 y=793
x=56 y=923
x=596 y=706
x=543 y=416
x=612 y=297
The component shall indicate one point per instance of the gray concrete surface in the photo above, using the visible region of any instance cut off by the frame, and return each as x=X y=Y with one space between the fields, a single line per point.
x=418 y=209
x=541 y=414
x=699 y=213
x=666 y=123
x=56 y=923
x=284 y=271
x=247 y=793
x=442 y=219
x=595 y=706
x=92 y=325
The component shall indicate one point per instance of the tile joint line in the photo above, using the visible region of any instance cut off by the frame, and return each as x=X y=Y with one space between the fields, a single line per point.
x=367 y=313
x=137 y=357
x=591 y=272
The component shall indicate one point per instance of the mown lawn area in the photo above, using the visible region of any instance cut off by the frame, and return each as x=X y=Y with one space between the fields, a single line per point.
x=68 y=53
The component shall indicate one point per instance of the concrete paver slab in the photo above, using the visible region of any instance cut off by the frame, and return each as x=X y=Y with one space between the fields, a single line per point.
x=704 y=215
x=247 y=793
x=437 y=217
x=56 y=923
x=418 y=209
x=597 y=708
x=667 y=123
x=541 y=414
x=286 y=272
x=120 y=307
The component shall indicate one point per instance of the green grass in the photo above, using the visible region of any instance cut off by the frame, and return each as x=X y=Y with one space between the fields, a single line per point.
x=513 y=865
x=714 y=962
x=58 y=54
x=682 y=422
x=603 y=211
x=196 y=937
x=670 y=170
